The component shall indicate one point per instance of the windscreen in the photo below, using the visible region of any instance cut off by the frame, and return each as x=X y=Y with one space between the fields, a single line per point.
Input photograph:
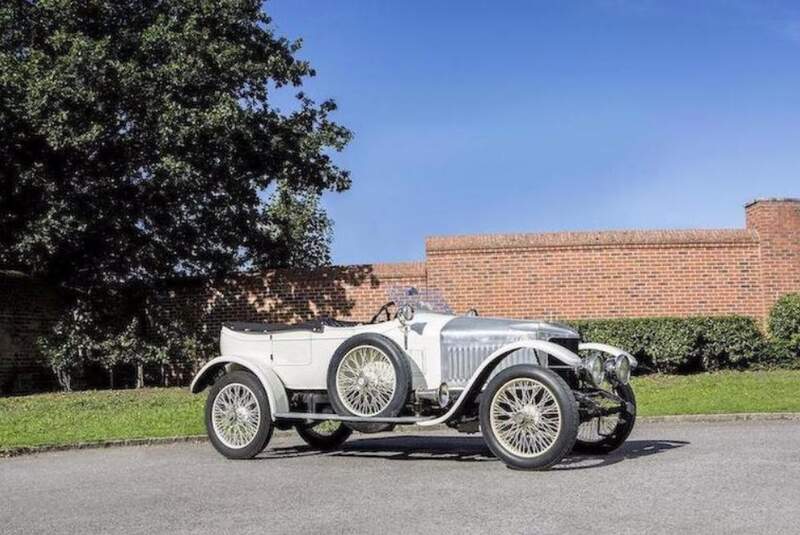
x=429 y=299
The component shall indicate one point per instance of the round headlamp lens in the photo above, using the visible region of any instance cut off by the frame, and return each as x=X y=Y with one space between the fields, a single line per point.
x=622 y=369
x=594 y=369
x=405 y=313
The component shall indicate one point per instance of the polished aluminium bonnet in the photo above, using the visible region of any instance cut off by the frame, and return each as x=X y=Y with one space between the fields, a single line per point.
x=466 y=341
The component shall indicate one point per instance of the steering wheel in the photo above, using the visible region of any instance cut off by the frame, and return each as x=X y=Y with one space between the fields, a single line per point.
x=384 y=310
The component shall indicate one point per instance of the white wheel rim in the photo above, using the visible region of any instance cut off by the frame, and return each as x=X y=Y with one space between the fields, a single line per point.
x=525 y=417
x=236 y=415
x=365 y=381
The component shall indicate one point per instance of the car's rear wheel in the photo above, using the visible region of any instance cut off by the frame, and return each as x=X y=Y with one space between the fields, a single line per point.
x=529 y=417
x=238 y=417
x=327 y=435
x=604 y=434
x=369 y=376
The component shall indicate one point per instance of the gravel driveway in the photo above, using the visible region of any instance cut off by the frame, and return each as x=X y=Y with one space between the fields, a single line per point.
x=737 y=477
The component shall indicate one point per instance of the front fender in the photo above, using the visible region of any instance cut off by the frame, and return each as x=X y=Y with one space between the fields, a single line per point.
x=276 y=393
x=609 y=350
x=481 y=375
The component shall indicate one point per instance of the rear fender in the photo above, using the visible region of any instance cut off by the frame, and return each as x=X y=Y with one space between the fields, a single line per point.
x=276 y=393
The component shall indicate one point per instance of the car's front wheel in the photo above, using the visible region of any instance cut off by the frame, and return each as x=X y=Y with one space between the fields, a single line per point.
x=238 y=417
x=529 y=417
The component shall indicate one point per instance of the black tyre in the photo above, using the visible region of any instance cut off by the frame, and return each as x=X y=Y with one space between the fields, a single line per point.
x=238 y=416
x=327 y=435
x=604 y=434
x=369 y=376
x=529 y=417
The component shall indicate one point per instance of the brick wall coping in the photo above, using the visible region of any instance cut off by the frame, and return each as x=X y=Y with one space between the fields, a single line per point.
x=772 y=199
x=588 y=239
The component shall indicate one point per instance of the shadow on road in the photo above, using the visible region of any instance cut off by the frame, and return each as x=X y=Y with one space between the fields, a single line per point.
x=632 y=449
x=466 y=449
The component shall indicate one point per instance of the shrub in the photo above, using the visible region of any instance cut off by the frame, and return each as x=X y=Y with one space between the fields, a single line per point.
x=784 y=330
x=69 y=345
x=784 y=321
x=681 y=345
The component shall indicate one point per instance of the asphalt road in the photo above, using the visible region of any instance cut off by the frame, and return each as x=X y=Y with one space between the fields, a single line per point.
x=741 y=477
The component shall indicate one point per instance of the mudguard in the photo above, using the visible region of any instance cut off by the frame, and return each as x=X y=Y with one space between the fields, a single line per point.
x=482 y=373
x=609 y=350
x=276 y=393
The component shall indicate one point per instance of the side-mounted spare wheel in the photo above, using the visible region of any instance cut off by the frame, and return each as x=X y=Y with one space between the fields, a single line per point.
x=238 y=415
x=529 y=417
x=369 y=376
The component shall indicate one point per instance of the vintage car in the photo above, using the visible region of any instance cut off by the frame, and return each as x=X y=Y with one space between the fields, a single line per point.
x=532 y=389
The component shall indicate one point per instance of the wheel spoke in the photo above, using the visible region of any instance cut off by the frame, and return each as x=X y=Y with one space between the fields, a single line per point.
x=236 y=415
x=525 y=417
x=366 y=381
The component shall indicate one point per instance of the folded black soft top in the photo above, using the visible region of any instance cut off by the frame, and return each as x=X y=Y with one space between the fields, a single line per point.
x=316 y=325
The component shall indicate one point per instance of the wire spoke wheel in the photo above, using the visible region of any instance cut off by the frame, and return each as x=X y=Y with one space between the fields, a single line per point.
x=366 y=381
x=525 y=417
x=235 y=415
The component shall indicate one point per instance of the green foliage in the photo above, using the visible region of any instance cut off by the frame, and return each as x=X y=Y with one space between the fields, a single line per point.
x=140 y=139
x=680 y=345
x=70 y=345
x=83 y=338
x=784 y=326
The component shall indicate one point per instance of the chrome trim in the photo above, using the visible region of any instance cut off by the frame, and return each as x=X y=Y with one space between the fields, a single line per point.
x=340 y=418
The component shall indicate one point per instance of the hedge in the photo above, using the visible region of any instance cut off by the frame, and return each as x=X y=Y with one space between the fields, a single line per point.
x=683 y=345
x=784 y=329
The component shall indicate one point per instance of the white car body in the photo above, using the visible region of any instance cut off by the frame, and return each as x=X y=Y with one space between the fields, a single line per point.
x=441 y=349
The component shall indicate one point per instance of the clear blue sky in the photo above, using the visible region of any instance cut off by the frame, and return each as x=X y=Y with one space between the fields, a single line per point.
x=487 y=117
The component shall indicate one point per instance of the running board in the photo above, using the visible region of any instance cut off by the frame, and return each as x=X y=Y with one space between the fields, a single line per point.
x=340 y=418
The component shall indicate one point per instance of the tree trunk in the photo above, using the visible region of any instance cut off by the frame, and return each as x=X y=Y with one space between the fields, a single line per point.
x=111 y=378
x=140 y=375
x=65 y=380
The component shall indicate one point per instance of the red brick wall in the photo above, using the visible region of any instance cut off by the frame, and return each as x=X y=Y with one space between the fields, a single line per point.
x=777 y=225
x=565 y=275
x=568 y=275
x=27 y=309
x=599 y=274
x=291 y=296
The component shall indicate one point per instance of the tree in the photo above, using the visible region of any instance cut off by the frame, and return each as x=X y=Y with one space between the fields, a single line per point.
x=138 y=140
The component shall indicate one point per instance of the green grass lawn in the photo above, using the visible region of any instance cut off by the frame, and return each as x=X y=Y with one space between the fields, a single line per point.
x=718 y=393
x=169 y=412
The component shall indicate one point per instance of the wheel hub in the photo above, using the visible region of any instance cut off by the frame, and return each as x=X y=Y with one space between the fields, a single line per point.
x=527 y=416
